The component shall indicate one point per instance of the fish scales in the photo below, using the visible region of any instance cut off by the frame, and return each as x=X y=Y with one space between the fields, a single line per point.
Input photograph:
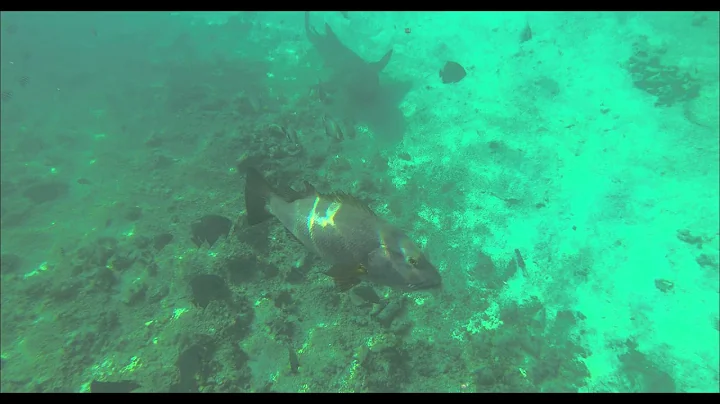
x=339 y=233
x=346 y=234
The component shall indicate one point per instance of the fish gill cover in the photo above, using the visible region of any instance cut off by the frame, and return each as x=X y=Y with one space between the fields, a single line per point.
x=560 y=170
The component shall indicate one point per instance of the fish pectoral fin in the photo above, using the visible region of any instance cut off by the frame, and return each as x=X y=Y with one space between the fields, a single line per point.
x=346 y=284
x=380 y=64
x=347 y=271
x=346 y=276
x=330 y=34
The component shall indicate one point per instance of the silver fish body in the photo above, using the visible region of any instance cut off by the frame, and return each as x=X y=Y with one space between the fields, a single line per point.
x=332 y=129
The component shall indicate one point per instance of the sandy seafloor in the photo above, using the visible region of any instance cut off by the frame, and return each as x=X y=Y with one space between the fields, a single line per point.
x=606 y=183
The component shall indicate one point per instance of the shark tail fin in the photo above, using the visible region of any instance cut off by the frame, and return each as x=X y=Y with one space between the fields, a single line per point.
x=309 y=30
x=380 y=64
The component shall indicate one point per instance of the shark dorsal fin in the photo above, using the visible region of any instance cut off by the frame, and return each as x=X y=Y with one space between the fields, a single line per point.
x=330 y=33
x=380 y=64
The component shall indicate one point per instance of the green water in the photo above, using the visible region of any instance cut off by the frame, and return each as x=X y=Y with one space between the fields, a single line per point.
x=588 y=142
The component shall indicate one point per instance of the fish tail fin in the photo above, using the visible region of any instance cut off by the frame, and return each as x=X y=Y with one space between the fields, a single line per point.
x=257 y=193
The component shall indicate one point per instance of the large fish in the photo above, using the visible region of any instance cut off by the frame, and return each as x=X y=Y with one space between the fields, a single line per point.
x=356 y=76
x=345 y=233
x=360 y=94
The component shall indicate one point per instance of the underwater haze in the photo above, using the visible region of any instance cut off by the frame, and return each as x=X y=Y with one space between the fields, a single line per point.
x=560 y=169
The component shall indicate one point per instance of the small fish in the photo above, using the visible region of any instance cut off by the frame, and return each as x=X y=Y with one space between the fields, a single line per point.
x=83 y=181
x=289 y=133
x=255 y=102
x=452 y=72
x=332 y=129
x=23 y=80
x=276 y=129
x=350 y=129
x=319 y=91
x=6 y=95
x=123 y=386
x=294 y=361
x=345 y=233
x=345 y=14
x=292 y=137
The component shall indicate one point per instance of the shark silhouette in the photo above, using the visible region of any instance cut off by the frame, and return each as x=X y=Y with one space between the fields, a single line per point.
x=357 y=77
x=367 y=99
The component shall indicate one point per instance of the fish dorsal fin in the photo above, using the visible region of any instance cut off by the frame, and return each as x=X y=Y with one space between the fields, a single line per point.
x=309 y=189
x=291 y=195
x=347 y=199
x=380 y=64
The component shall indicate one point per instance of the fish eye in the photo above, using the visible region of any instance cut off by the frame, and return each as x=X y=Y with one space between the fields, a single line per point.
x=412 y=261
